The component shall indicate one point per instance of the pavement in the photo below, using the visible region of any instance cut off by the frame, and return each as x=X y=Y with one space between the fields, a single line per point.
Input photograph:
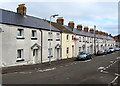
x=36 y=66
x=98 y=71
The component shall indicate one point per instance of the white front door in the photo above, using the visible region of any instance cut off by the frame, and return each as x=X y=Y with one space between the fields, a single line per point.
x=35 y=55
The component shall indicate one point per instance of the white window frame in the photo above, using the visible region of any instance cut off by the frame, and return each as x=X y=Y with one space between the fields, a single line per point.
x=50 y=35
x=21 y=32
x=50 y=51
x=35 y=34
x=21 y=54
x=57 y=35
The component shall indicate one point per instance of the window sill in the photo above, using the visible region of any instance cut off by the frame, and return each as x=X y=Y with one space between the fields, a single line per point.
x=57 y=39
x=20 y=38
x=33 y=38
x=19 y=60
x=50 y=56
x=50 y=39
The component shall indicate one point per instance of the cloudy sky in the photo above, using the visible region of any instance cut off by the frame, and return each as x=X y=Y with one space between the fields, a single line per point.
x=103 y=14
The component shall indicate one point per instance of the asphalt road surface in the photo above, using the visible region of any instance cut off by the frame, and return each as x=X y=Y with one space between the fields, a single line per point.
x=98 y=70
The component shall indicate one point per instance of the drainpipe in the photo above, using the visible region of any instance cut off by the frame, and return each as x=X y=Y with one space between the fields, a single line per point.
x=61 y=46
x=41 y=43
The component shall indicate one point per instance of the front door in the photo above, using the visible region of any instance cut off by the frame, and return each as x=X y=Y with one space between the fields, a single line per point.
x=72 y=51
x=35 y=55
x=57 y=53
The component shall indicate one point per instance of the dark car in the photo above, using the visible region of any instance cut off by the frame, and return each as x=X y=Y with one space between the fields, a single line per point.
x=83 y=55
x=100 y=52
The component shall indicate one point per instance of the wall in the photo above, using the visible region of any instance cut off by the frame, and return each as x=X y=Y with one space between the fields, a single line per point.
x=45 y=45
x=67 y=43
x=11 y=44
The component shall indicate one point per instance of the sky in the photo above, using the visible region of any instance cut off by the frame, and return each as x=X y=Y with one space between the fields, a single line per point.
x=102 y=13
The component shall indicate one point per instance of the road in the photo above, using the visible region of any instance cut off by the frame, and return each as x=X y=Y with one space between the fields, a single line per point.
x=98 y=70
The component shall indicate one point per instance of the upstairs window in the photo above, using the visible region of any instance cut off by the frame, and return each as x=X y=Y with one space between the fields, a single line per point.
x=57 y=35
x=79 y=39
x=34 y=34
x=20 y=33
x=49 y=35
x=67 y=37
x=72 y=37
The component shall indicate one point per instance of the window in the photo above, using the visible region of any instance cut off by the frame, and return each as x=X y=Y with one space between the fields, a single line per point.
x=34 y=34
x=57 y=36
x=67 y=51
x=20 y=55
x=50 y=52
x=87 y=39
x=83 y=39
x=72 y=37
x=49 y=35
x=79 y=49
x=79 y=39
x=67 y=37
x=20 y=33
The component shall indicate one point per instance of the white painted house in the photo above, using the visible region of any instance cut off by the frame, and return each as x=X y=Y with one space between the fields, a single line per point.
x=25 y=39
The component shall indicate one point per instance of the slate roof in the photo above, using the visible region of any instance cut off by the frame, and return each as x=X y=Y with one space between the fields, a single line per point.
x=9 y=17
x=84 y=33
x=61 y=28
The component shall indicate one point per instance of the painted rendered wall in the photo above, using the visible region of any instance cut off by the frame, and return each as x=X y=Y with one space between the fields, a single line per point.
x=67 y=43
x=10 y=45
x=45 y=45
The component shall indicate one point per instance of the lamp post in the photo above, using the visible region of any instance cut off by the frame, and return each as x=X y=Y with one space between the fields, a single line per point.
x=51 y=35
x=94 y=39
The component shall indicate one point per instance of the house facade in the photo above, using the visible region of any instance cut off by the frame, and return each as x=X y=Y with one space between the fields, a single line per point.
x=26 y=39
x=67 y=43
x=90 y=40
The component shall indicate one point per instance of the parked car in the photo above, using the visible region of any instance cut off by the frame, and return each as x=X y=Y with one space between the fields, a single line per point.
x=83 y=55
x=107 y=51
x=117 y=49
x=112 y=49
x=100 y=52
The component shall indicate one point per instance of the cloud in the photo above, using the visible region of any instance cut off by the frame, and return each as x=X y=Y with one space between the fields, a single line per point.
x=104 y=14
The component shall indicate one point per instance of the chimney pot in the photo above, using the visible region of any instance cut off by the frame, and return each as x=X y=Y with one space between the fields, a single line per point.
x=91 y=30
x=71 y=24
x=86 y=28
x=60 y=20
x=79 y=27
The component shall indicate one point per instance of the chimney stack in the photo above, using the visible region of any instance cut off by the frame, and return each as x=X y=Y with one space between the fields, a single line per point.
x=71 y=24
x=79 y=27
x=21 y=9
x=91 y=30
x=60 y=20
x=96 y=31
x=86 y=28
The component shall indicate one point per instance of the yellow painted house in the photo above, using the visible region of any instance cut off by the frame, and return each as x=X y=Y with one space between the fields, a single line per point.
x=67 y=42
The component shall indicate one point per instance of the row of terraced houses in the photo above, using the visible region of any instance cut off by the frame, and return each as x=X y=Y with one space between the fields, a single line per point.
x=26 y=39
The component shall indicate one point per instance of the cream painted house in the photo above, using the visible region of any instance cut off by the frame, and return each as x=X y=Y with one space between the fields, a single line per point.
x=67 y=42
